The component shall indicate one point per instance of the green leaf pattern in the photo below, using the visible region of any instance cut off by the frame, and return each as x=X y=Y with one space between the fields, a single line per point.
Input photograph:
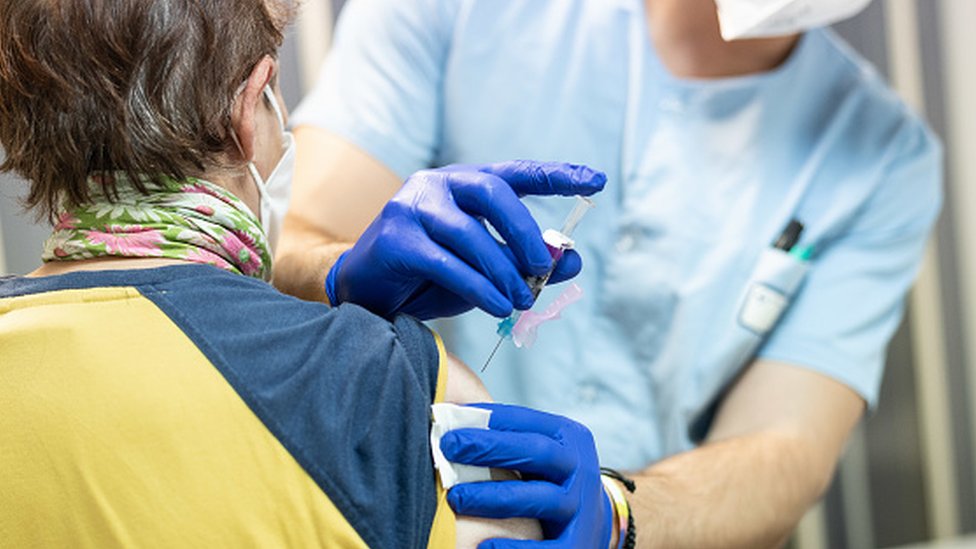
x=192 y=220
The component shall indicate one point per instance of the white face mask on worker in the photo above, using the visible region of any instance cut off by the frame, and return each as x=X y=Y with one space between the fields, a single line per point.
x=765 y=18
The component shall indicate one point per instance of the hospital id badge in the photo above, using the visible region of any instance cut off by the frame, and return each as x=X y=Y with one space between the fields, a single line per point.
x=773 y=283
x=762 y=308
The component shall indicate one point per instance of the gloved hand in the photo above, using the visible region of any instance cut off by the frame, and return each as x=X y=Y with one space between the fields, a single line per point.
x=429 y=255
x=560 y=483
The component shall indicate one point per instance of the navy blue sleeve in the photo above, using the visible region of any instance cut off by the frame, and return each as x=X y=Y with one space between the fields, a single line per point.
x=346 y=392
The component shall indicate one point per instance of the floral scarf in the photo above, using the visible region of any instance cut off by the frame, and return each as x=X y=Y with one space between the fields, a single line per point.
x=190 y=220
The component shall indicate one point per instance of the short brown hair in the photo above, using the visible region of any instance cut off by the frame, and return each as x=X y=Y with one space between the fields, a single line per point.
x=143 y=87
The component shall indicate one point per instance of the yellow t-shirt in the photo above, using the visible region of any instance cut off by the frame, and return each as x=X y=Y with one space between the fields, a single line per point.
x=190 y=407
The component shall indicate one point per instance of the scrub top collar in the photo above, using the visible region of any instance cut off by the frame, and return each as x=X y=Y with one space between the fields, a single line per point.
x=642 y=42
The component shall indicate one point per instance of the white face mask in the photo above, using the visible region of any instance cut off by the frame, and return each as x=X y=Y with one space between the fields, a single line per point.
x=276 y=190
x=763 y=18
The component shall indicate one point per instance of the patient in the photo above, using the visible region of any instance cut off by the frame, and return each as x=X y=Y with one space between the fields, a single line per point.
x=154 y=389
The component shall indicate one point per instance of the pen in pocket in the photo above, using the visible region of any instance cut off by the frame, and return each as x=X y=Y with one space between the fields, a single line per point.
x=788 y=239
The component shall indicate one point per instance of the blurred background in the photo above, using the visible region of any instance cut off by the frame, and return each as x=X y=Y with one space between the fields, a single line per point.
x=909 y=475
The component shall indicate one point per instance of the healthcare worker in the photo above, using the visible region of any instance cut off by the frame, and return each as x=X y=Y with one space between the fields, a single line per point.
x=767 y=205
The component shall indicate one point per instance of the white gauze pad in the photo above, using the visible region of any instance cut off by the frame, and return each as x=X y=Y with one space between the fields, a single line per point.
x=448 y=417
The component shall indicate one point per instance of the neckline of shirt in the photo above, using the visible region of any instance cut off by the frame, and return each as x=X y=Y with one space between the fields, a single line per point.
x=667 y=79
x=78 y=280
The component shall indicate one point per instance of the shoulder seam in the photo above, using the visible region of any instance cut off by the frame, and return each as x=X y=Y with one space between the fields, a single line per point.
x=264 y=417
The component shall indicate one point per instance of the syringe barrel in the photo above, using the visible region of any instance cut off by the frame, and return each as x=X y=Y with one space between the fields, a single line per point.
x=557 y=243
x=583 y=205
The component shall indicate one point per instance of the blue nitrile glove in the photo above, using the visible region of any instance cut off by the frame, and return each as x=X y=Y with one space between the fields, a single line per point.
x=560 y=483
x=428 y=253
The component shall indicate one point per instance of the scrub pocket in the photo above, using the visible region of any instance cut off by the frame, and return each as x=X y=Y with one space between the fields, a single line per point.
x=768 y=294
x=773 y=283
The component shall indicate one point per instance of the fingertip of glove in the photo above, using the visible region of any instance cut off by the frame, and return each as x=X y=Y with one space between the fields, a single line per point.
x=500 y=309
x=449 y=444
x=599 y=179
x=588 y=179
x=525 y=303
x=455 y=498
x=569 y=266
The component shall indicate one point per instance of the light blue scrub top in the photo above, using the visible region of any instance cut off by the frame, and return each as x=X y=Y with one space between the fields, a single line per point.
x=680 y=284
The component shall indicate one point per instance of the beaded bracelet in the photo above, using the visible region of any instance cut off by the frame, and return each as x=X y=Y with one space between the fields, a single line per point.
x=627 y=538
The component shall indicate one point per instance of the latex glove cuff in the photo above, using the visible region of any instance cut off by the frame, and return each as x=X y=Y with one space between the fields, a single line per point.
x=330 y=280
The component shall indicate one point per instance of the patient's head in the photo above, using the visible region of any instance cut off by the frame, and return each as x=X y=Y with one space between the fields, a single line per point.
x=144 y=87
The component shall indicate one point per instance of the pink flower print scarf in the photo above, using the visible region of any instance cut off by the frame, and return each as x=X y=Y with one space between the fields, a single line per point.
x=191 y=220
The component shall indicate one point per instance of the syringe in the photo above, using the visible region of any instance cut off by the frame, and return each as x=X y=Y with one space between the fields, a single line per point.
x=557 y=242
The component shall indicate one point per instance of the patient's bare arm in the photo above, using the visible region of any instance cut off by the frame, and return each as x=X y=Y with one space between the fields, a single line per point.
x=464 y=386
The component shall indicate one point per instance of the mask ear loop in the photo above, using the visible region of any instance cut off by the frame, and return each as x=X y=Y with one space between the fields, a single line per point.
x=273 y=100
x=258 y=180
x=233 y=133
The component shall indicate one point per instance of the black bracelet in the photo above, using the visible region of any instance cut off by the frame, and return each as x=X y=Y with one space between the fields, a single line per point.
x=629 y=484
x=630 y=542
